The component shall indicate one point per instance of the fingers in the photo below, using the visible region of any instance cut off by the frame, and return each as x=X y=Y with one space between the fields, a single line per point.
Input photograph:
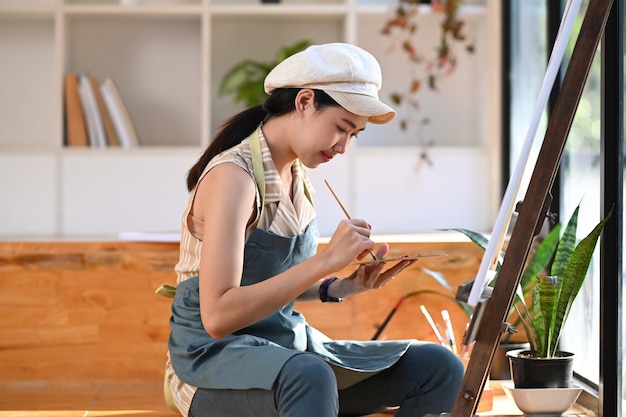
x=382 y=250
x=370 y=276
x=350 y=240
x=359 y=224
x=363 y=254
x=392 y=272
x=400 y=266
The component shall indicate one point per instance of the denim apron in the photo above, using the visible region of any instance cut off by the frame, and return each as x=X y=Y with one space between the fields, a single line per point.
x=253 y=356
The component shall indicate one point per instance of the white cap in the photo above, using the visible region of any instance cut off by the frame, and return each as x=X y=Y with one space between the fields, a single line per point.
x=348 y=74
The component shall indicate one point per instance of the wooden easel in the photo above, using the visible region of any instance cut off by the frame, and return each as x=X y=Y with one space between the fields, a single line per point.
x=493 y=311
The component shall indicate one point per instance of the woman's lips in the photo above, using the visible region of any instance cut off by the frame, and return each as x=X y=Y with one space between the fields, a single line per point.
x=326 y=157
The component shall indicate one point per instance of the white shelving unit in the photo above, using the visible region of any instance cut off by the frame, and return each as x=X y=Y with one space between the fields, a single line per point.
x=167 y=58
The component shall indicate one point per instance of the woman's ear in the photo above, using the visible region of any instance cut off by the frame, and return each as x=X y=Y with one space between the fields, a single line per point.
x=305 y=99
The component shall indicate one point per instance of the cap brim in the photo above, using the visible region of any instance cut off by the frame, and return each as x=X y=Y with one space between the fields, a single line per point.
x=364 y=105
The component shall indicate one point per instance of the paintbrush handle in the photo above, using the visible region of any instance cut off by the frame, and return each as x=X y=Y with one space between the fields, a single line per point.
x=345 y=211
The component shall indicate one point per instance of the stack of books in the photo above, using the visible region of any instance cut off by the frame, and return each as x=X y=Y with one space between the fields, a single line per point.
x=95 y=114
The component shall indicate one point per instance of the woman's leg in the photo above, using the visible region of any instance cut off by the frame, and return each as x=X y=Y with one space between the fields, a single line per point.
x=425 y=380
x=305 y=387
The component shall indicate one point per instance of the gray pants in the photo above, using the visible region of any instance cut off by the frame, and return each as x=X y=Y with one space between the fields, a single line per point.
x=425 y=380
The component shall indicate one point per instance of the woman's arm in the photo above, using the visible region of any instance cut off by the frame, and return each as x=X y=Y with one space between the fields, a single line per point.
x=225 y=201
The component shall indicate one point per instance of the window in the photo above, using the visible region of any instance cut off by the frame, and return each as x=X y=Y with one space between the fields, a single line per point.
x=592 y=173
x=580 y=184
x=528 y=60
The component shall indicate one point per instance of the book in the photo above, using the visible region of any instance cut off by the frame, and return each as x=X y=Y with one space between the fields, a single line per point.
x=75 y=127
x=119 y=114
x=95 y=128
x=109 y=130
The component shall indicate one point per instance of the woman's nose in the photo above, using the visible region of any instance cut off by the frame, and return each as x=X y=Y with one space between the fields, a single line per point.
x=340 y=147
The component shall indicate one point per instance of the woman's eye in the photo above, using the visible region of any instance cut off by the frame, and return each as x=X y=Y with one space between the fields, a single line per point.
x=342 y=130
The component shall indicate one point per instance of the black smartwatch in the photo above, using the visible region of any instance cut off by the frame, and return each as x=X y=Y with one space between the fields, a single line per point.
x=323 y=291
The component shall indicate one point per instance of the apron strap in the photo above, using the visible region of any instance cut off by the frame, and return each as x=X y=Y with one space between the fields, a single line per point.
x=258 y=171
x=307 y=192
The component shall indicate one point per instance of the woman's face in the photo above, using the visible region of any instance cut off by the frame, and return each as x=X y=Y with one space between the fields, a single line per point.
x=326 y=132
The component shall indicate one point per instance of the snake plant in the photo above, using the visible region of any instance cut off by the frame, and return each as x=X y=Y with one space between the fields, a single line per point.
x=554 y=293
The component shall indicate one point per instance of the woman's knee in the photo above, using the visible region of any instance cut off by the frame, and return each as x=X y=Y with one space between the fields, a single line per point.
x=308 y=369
x=306 y=386
x=433 y=363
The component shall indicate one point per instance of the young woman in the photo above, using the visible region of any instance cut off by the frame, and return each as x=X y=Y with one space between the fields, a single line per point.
x=248 y=250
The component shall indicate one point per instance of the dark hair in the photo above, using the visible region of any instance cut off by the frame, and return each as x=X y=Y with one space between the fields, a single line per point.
x=242 y=124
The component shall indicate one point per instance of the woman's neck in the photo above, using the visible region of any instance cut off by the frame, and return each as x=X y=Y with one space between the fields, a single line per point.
x=277 y=134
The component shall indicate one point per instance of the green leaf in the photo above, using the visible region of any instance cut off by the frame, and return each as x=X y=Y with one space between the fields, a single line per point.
x=479 y=239
x=240 y=75
x=526 y=320
x=573 y=277
x=287 y=51
x=541 y=257
x=438 y=276
x=548 y=290
x=245 y=80
x=537 y=320
x=566 y=245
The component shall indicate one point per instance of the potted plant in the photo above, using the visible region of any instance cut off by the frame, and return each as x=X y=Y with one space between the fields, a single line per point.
x=551 y=295
x=544 y=365
x=537 y=262
x=245 y=79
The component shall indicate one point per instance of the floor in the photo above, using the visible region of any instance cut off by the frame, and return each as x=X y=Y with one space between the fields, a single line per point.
x=131 y=401
x=139 y=401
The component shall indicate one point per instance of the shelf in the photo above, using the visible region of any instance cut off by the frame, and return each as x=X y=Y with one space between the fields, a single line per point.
x=162 y=96
x=135 y=3
x=280 y=10
x=140 y=151
x=28 y=83
x=167 y=58
x=424 y=10
x=34 y=12
x=169 y=11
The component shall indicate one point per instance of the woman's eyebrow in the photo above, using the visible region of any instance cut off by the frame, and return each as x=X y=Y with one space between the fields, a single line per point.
x=351 y=123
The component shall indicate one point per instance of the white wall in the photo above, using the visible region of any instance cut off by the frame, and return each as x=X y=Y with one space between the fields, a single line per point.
x=398 y=193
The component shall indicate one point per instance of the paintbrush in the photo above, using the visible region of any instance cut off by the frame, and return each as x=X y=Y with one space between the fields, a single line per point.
x=345 y=211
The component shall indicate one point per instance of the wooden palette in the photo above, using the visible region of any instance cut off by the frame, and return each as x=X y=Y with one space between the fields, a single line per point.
x=398 y=258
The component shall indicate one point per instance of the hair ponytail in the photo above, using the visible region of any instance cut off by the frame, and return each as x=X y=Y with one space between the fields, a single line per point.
x=231 y=133
x=241 y=125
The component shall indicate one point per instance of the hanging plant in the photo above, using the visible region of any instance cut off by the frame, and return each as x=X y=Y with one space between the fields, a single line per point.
x=425 y=69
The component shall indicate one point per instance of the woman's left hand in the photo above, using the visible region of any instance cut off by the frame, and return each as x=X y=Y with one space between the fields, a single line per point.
x=371 y=275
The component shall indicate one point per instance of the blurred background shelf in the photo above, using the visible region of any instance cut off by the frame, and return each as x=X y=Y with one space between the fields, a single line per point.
x=167 y=58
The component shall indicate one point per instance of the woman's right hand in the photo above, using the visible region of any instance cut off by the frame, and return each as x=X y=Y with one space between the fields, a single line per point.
x=350 y=241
